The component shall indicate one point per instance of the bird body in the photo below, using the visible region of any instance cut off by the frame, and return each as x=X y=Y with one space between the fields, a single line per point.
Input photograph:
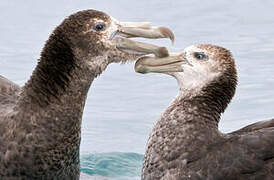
x=185 y=143
x=40 y=123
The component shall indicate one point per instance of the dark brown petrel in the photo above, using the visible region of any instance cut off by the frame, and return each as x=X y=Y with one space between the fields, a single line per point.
x=185 y=143
x=40 y=123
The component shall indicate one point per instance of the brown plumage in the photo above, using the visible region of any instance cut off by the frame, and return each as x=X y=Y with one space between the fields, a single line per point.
x=8 y=89
x=185 y=143
x=40 y=123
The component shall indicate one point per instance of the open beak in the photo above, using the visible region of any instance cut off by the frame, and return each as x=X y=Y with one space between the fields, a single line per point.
x=171 y=63
x=127 y=30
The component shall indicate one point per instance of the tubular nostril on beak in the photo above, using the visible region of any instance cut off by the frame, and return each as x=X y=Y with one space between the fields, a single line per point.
x=141 y=29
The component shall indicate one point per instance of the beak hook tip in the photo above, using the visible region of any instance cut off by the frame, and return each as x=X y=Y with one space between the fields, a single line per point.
x=166 y=32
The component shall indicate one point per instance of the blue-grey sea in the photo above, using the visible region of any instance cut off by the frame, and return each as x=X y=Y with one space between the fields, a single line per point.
x=122 y=106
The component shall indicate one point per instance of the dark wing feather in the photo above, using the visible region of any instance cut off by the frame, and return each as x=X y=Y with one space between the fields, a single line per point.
x=259 y=139
x=254 y=127
x=261 y=142
x=248 y=156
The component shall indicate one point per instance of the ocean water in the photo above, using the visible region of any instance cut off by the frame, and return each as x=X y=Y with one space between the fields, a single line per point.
x=114 y=165
x=122 y=106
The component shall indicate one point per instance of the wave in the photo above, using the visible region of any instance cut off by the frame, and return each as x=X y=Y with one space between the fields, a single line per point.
x=112 y=166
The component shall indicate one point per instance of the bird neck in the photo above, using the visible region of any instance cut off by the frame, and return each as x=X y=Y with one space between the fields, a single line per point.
x=192 y=116
x=204 y=105
x=52 y=101
x=197 y=109
x=62 y=77
x=196 y=114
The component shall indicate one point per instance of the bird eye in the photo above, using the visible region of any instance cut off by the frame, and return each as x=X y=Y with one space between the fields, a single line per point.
x=200 y=56
x=99 y=27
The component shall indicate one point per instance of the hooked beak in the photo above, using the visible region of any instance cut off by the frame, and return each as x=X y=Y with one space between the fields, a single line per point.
x=171 y=63
x=127 y=30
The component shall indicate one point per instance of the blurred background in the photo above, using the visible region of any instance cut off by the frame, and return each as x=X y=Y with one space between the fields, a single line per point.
x=123 y=106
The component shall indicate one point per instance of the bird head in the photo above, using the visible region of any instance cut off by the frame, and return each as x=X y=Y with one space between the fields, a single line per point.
x=98 y=39
x=199 y=69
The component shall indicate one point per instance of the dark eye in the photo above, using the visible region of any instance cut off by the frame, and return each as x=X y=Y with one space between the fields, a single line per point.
x=99 y=27
x=200 y=56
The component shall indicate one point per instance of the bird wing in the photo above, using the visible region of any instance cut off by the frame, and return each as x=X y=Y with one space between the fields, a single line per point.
x=248 y=156
x=8 y=90
x=259 y=138
x=259 y=142
x=254 y=127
